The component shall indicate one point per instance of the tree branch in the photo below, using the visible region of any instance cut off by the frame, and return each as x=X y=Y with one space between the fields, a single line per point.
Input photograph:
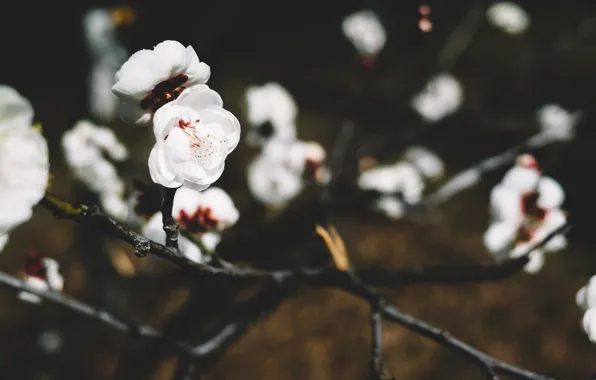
x=170 y=226
x=317 y=277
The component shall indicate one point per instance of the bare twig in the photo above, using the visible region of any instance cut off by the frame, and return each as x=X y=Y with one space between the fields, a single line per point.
x=169 y=223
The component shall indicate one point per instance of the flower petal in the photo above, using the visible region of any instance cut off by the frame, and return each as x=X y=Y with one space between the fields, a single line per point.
x=132 y=113
x=199 y=97
x=198 y=72
x=159 y=170
x=227 y=120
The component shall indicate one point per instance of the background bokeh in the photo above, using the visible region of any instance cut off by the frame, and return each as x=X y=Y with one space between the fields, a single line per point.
x=530 y=321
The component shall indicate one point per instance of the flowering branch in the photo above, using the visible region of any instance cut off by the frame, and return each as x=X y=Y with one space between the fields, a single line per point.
x=317 y=277
x=169 y=223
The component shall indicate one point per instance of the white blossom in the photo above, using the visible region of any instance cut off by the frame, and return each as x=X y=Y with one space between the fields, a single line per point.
x=84 y=147
x=365 y=32
x=525 y=209
x=206 y=214
x=24 y=165
x=509 y=17
x=41 y=274
x=557 y=122
x=194 y=135
x=427 y=162
x=271 y=113
x=282 y=170
x=589 y=324
x=441 y=96
x=107 y=56
x=586 y=296
x=397 y=183
x=151 y=78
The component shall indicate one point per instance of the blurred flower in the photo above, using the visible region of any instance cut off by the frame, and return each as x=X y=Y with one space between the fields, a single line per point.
x=152 y=78
x=194 y=135
x=365 y=32
x=41 y=273
x=441 y=97
x=589 y=324
x=509 y=17
x=280 y=172
x=84 y=146
x=427 y=162
x=558 y=122
x=586 y=296
x=525 y=208
x=271 y=114
x=403 y=183
x=399 y=184
x=107 y=56
x=206 y=214
x=24 y=166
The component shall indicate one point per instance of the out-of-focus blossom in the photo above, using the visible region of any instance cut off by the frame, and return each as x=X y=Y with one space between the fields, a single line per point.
x=282 y=170
x=24 y=166
x=586 y=299
x=509 y=17
x=427 y=162
x=152 y=78
x=365 y=32
x=51 y=341
x=84 y=147
x=558 y=122
x=206 y=214
x=194 y=135
x=441 y=96
x=402 y=184
x=41 y=273
x=397 y=183
x=586 y=296
x=525 y=208
x=107 y=56
x=271 y=112
x=589 y=324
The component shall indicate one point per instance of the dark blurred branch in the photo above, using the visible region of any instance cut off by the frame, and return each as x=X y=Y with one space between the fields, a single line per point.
x=317 y=277
x=169 y=223
x=461 y=36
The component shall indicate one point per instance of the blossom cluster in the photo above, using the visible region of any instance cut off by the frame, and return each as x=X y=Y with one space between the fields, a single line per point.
x=525 y=207
x=285 y=164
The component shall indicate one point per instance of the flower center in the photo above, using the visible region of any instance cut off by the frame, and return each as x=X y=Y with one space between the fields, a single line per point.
x=202 y=220
x=34 y=266
x=164 y=92
x=265 y=130
x=533 y=216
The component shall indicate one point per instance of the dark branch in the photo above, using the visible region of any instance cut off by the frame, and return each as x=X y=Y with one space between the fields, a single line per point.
x=169 y=223
x=317 y=277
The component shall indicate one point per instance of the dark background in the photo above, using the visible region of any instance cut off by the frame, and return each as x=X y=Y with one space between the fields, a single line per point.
x=530 y=321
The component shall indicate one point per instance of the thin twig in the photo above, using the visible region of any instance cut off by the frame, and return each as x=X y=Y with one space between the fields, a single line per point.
x=169 y=223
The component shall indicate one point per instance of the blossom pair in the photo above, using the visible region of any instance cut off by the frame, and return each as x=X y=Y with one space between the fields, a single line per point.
x=166 y=87
x=285 y=164
x=402 y=184
x=526 y=207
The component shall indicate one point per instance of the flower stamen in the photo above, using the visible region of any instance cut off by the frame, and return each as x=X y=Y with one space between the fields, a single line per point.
x=164 y=92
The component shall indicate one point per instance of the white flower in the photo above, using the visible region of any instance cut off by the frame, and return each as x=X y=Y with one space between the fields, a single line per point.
x=509 y=17
x=397 y=183
x=441 y=97
x=206 y=214
x=589 y=324
x=151 y=78
x=24 y=165
x=41 y=274
x=525 y=208
x=558 y=122
x=280 y=172
x=194 y=135
x=365 y=32
x=271 y=113
x=427 y=162
x=107 y=56
x=84 y=146
x=586 y=296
